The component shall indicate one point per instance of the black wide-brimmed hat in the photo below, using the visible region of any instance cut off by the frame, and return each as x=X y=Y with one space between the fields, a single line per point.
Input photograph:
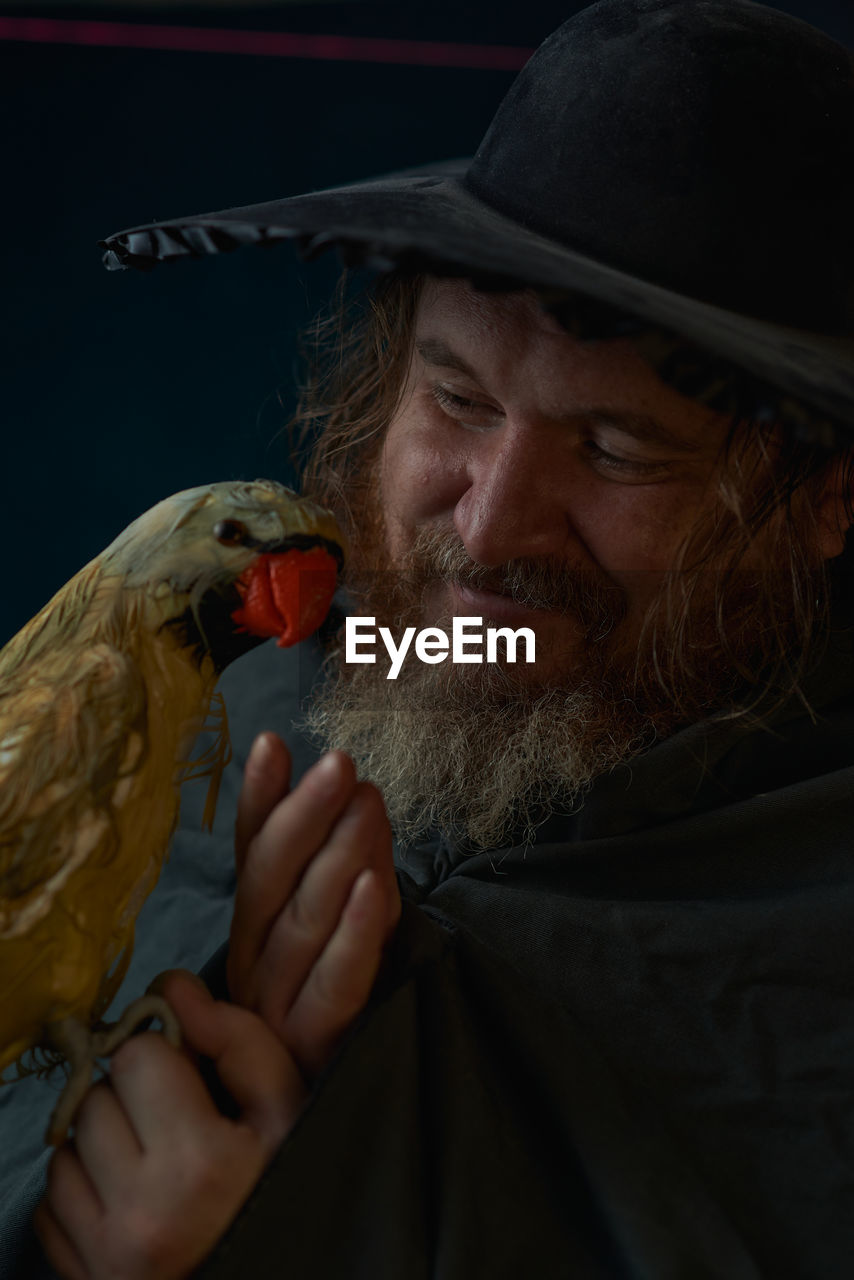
x=687 y=163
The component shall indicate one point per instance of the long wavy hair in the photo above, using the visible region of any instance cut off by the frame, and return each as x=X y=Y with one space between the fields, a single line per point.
x=357 y=355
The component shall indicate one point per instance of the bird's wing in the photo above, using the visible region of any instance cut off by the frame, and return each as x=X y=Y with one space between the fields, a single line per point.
x=71 y=737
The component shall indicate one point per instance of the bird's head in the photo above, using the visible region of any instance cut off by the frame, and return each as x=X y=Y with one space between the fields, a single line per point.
x=225 y=566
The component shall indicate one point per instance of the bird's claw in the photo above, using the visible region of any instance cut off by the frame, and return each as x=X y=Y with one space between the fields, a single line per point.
x=82 y=1048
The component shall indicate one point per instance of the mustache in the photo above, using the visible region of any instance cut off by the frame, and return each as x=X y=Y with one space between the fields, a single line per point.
x=546 y=583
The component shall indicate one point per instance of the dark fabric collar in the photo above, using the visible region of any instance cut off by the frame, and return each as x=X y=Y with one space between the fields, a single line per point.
x=702 y=768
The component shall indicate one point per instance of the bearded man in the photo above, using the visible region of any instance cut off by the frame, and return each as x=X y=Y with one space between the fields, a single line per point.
x=603 y=391
x=672 y=560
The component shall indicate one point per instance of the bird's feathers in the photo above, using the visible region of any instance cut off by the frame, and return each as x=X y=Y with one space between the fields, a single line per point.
x=101 y=698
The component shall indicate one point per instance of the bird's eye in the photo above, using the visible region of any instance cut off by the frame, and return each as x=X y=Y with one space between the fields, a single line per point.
x=229 y=532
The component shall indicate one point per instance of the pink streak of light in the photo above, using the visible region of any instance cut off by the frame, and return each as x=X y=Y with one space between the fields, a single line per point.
x=268 y=44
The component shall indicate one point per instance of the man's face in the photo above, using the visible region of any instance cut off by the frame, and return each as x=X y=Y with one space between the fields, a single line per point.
x=515 y=442
x=538 y=482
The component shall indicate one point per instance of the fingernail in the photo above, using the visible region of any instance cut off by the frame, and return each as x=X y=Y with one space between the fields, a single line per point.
x=157 y=983
x=326 y=774
x=261 y=751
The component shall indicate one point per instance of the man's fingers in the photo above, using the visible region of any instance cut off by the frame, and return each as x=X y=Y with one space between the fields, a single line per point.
x=291 y=836
x=361 y=838
x=160 y=1090
x=266 y=780
x=254 y=1067
x=174 y=1191
x=341 y=981
x=74 y=1209
x=106 y=1144
x=60 y=1252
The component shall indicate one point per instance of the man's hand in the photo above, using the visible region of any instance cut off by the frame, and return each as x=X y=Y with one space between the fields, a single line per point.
x=155 y=1173
x=316 y=899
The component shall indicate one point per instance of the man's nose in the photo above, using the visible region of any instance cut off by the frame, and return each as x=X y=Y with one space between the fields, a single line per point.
x=515 y=503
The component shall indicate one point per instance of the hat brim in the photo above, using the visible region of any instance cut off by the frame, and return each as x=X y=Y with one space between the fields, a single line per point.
x=427 y=220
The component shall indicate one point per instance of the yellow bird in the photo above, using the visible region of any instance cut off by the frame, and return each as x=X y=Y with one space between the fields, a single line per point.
x=102 y=695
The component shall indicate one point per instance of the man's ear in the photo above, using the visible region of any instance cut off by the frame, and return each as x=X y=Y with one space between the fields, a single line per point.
x=836 y=506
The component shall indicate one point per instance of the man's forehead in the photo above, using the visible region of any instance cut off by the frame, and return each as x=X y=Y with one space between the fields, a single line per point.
x=459 y=304
x=504 y=338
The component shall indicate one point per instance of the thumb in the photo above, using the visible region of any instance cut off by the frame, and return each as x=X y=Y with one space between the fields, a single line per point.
x=252 y=1063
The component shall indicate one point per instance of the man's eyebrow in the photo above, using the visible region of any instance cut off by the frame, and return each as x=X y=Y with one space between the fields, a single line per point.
x=435 y=352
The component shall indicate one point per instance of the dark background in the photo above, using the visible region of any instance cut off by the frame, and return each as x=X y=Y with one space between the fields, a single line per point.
x=120 y=388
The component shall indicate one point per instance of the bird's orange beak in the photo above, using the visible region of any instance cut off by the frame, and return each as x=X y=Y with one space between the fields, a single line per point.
x=286 y=594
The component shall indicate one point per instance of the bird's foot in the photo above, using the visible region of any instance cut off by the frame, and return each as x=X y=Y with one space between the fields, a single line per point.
x=110 y=1035
x=82 y=1048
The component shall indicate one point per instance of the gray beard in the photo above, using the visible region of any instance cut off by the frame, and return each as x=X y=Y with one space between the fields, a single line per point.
x=471 y=752
x=485 y=753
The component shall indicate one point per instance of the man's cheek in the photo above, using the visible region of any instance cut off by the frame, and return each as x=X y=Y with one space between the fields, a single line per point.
x=397 y=537
x=403 y=509
x=421 y=477
x=392 y=493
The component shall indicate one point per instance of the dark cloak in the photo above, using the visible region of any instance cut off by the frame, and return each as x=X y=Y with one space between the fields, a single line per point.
x=626 y=1051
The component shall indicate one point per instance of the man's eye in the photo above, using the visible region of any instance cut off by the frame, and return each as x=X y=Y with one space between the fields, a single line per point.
x=626 y=468
x=461 y=407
